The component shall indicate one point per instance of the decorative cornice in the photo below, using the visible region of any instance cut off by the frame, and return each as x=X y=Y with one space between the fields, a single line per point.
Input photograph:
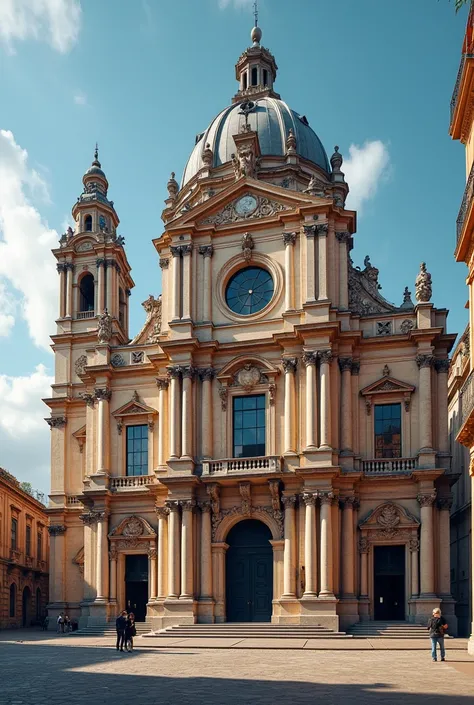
x=56 y=421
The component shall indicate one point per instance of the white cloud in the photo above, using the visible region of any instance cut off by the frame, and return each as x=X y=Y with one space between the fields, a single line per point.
x=26 y=263
x=80 y=98
x=7 y=309
x=364 y=169
x=57 y=22
x=24 y=435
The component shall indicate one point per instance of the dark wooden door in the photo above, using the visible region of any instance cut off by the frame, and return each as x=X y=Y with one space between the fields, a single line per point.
x=389 y=582
x=136 y=585
x=249 y=573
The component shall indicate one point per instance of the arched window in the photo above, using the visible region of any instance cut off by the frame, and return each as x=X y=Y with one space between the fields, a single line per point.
x=88 y=223
x=245 y=81
x=122 y=308
x=12 y=600
x=86 y=288
x=38 y=604
x=254 y=76
x=265 y=77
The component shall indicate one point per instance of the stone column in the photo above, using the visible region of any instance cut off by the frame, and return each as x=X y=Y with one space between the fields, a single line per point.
x=162 y=513
x=207 y=375
x=326 y=499
x=322 y=231
x=57 y=562
x=113 y=574
x=110 y=264
x=61 y=267
x=348 y=567
x=176 y=283
x=310 y=232
x=152 y=555
x=427 y=544
x=289 y=558
x=289 y=240
x=442 y=368
x=206 y=551
x=173 y=551
x=187 y=563
x=345 y=365
x=425 y=362
x=309 y=359
x=69 y=275
x=343 y=239
x=187 y=412
x=162 y=384
x=414 y=546
x=207 y=251
x=444 y=547
x=289 y=366
x=187 y=251
x=103 y=396
x=102 y=568
x=100 y=302
x=364 y=548
x=325 y=357
x=310 y=545
x=175 y=412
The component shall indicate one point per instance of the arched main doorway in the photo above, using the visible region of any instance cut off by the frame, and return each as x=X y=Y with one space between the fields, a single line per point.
x=249 y=572
x=26 y=606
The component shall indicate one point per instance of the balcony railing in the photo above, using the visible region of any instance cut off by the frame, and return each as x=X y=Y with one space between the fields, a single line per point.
x=131 y=482
x=455 y=95
x=73 y=501
x=387 y=466
x=467 y=398
x=465 y=205
x=85 y=314
x=239 y=466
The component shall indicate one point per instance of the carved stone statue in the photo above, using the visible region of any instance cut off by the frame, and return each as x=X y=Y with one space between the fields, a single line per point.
x=172 y=186
x=247 y=246
x=207 y=156
x=104 y=328
x=423 y=288
x=244 y=163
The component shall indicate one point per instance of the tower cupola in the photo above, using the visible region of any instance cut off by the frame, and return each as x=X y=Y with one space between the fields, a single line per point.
x=256 y=69
x=93 y=211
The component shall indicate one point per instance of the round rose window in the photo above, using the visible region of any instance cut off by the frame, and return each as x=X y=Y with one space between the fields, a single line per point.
x=249 y=290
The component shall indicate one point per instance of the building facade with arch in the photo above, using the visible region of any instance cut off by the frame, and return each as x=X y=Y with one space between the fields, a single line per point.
x=273 y=444
x=24 y=555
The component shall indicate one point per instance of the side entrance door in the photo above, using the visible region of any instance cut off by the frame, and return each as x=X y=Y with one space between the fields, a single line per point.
x=389 y=583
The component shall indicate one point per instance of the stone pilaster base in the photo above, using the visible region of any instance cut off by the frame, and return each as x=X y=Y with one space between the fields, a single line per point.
x=448 y=610
x=84 y=618
x=286 y=610
x=323 y=612
x=177 y=612
x=470 y=645
x=98 y=613
x=54 y=609
x=424 y=608
x=364 y=609
x=348 y=611
x=205 y=610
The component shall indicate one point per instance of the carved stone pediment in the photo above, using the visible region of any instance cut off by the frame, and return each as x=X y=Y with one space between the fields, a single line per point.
x=364 y=287
x=134 y=528
x=230 y=213
x=133 y=408
x=387 y=385
x=151 y=330
x=389 y=520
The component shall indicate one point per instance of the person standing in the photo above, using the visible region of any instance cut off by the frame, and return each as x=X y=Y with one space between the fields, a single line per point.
x=60 y=623
x=121 y=625
x=130 y=632
x=437 y=627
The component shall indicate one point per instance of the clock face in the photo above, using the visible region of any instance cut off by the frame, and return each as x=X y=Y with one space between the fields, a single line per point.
x=246 y=205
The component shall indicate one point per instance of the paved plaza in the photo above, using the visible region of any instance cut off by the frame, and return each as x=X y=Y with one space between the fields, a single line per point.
x=38 y=669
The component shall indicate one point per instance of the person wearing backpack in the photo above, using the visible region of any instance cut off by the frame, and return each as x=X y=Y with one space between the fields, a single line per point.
x=437 y=627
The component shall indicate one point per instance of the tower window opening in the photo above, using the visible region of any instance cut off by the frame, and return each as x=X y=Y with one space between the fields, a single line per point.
x=88 y=223
x=245 y=80
x=122 y=308
x=265 y=77
x=254 y=76
x=86 y=288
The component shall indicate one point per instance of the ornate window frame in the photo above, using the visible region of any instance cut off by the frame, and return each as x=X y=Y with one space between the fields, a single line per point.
x=388 y=390
x=134 y=413
x=248 y=375
x=234 y=265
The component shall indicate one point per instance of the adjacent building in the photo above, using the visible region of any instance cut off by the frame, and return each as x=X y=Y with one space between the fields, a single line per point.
x=461 y=128
x=273 y=444
x=24 y=547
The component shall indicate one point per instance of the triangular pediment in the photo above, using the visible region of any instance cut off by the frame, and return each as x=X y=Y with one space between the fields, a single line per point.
x=79 y=557
x=134 y=407
x=387 y=385
x=220 y=209
x=80 y=433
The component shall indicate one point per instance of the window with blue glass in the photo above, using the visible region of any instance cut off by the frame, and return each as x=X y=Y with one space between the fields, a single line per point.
x=249 y=426
x=137 y=450
x=249 y=290
x=388 y=430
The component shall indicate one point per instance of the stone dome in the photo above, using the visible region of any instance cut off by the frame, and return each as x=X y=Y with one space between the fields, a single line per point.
x=272 y=119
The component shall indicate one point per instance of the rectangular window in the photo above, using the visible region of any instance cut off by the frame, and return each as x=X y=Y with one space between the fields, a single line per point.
x=14 y=534
x=388 y=430
x=137 y=450
x=28 y=541
x=39 y=546
x=249 y=426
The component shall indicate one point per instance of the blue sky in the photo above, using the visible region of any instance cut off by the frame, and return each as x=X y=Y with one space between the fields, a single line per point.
x=143 y=77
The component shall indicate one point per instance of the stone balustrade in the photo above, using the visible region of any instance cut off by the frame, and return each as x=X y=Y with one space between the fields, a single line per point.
x=118 y=484
x=239 y=466
x=387 y=466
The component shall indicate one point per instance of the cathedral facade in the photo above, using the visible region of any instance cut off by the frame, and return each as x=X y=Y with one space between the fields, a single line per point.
x=273 y=444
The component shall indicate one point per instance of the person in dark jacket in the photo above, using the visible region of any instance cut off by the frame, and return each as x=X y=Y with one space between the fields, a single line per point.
x=437 y=627
x=130 y=632
x=121 y=625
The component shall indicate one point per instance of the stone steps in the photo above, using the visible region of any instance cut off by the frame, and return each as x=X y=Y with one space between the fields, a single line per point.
x=388 y=630
x=249 y=631
x=108 y=629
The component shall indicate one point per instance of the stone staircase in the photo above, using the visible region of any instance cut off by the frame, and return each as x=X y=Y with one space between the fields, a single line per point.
x=108 y=629
x=230 y=630
x=388 y=630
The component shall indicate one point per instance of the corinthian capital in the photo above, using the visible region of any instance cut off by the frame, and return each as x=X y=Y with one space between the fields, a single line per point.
x=289 y=238
x=56 y=529
x=310 y=357
x=442 y=365
x=289 y=364
x=424 y=361
x=345 y=364
x=164 y=262
x=427 y=500
x=309 y=499
x=325 y=356
x=206 y=250
x=343 y=236
x=162 y=383
x=322 y=229
x=326 y=497
x=103 y=394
